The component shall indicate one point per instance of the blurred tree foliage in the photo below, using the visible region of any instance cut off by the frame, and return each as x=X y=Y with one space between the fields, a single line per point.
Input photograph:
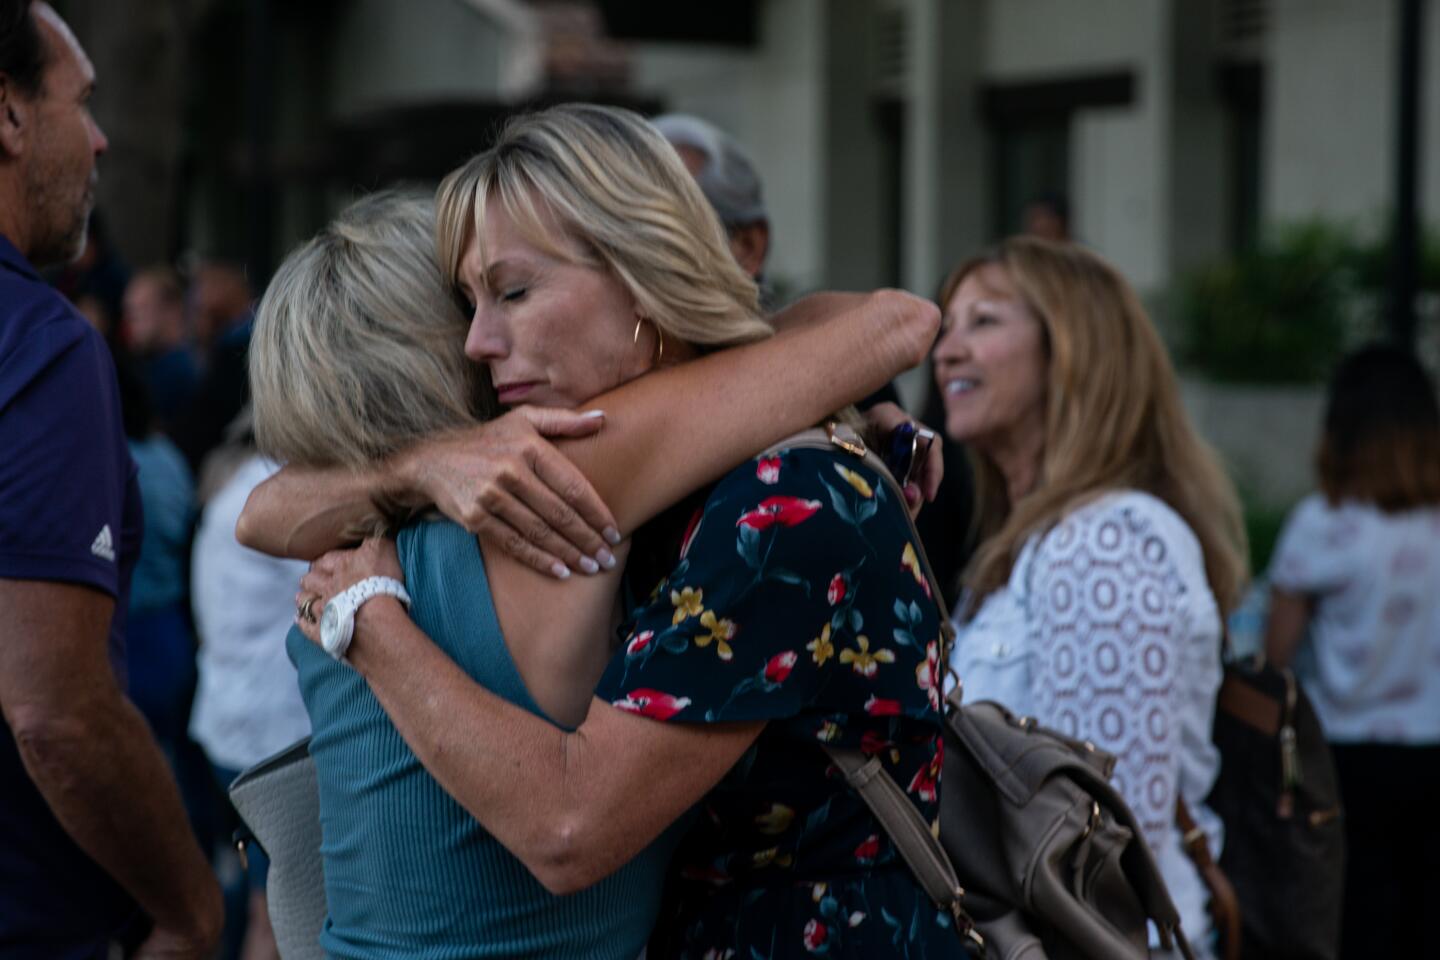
x=1285 y=311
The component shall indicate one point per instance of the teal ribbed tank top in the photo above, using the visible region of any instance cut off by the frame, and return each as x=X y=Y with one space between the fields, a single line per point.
x=408 y=872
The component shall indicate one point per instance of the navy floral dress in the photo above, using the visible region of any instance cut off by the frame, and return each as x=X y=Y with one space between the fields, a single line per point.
x=797 y=600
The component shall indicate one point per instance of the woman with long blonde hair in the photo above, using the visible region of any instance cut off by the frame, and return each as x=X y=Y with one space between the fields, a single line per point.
x=1111 y=542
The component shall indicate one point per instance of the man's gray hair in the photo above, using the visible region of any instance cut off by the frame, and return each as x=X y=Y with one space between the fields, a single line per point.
x=728 y=178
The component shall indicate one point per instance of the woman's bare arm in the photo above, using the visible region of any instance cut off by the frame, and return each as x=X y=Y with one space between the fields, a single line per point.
x=490 y=478
x=679 y=428
x=500 y=479
x=1284 y=629
x=572 y=806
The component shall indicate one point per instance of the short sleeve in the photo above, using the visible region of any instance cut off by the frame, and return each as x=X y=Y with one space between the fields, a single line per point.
x=1315 y=552
x=65 y=470
x=1108 y=607
x=791 y=594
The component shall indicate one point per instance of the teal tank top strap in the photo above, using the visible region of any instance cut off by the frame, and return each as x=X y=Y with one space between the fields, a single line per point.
x=448 y=584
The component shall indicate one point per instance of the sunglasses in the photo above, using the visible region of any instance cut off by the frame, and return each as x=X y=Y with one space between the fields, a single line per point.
x=906 y=451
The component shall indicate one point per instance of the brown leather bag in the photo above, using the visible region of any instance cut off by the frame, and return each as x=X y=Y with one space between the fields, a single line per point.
x=1276 y=891
x=1038 y=857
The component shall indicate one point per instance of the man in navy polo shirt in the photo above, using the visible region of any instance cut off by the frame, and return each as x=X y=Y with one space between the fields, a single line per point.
x=95 y=850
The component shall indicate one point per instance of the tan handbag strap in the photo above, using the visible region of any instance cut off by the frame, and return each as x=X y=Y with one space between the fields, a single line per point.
x=918 y=847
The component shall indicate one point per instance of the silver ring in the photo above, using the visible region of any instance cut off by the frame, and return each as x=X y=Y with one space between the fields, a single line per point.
x=304 y=610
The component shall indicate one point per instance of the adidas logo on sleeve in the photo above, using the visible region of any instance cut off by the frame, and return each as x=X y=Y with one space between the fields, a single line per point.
x=104 y=545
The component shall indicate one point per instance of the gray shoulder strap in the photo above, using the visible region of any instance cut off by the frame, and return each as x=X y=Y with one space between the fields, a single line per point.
x=918 y=847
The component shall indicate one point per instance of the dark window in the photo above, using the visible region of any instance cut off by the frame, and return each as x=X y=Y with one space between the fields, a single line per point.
x=1241 y=89
x=1030 y=128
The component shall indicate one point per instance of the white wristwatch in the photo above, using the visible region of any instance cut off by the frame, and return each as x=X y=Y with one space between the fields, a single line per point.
x=337 y=623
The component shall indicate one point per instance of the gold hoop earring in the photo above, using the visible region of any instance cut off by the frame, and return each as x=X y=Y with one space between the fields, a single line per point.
x=659 y=338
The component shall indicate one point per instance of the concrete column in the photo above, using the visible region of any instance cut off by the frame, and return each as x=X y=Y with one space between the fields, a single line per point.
x=944 y=151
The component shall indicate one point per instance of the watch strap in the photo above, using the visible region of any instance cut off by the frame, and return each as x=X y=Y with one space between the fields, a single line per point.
x=349 y=602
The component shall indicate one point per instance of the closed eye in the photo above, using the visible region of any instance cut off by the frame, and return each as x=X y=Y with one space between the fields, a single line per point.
x=512 y=295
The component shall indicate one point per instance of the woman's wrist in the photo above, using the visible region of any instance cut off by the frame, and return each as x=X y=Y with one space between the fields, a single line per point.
x=376 y=619
x=399 y=478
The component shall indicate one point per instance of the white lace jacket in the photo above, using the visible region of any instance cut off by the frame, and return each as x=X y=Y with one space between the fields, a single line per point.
x=1108 y=631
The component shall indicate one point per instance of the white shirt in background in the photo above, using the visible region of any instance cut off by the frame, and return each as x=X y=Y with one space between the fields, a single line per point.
x=247 y=703
x=1371 y=663
x=1108 y=631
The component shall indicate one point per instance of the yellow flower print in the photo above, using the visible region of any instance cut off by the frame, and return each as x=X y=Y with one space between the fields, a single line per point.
x=828 y=731
x=765 y=858
x=911 y=561
x=721 y=631
x=821 y=649
x=688 y=603
x=862 y=660
x=776 y=821
x=855 y=480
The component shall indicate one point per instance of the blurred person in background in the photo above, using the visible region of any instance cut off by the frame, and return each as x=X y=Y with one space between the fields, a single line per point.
x=732 y=185
x=96 y=281
x=1355 y=604
x=247 y=704
x=1111 y=541
x=1047 y=217
x=95 y=851
x=222 y=307
x=221 y=301
x=159 y=644
x=154 y=331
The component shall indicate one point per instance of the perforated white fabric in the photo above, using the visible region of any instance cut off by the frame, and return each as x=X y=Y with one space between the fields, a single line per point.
x=1108 y=631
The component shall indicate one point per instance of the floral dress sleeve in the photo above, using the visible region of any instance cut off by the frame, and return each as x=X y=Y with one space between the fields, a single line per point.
x=798 y=600
x=768 y=595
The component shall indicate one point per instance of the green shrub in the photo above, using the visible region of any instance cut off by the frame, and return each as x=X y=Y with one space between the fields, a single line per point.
x=1286 y=311
x=1263 y=525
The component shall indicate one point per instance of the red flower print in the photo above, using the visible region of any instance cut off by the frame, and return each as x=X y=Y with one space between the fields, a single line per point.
x=712 y=875
x=652 y=704
x=872 y=742
x=927 y=674
x=692 y=528
x=786 y=511
x=838 y=589
x=869 y=850
x=780 y=666
x=816 y=933
x=768 y=470
x=926 y=779
x=639 y=643
x=877 y=707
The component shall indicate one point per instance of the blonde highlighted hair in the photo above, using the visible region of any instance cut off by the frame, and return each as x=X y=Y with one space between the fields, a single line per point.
x=358 y=347
x=1113 y=419
x=619 y=191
